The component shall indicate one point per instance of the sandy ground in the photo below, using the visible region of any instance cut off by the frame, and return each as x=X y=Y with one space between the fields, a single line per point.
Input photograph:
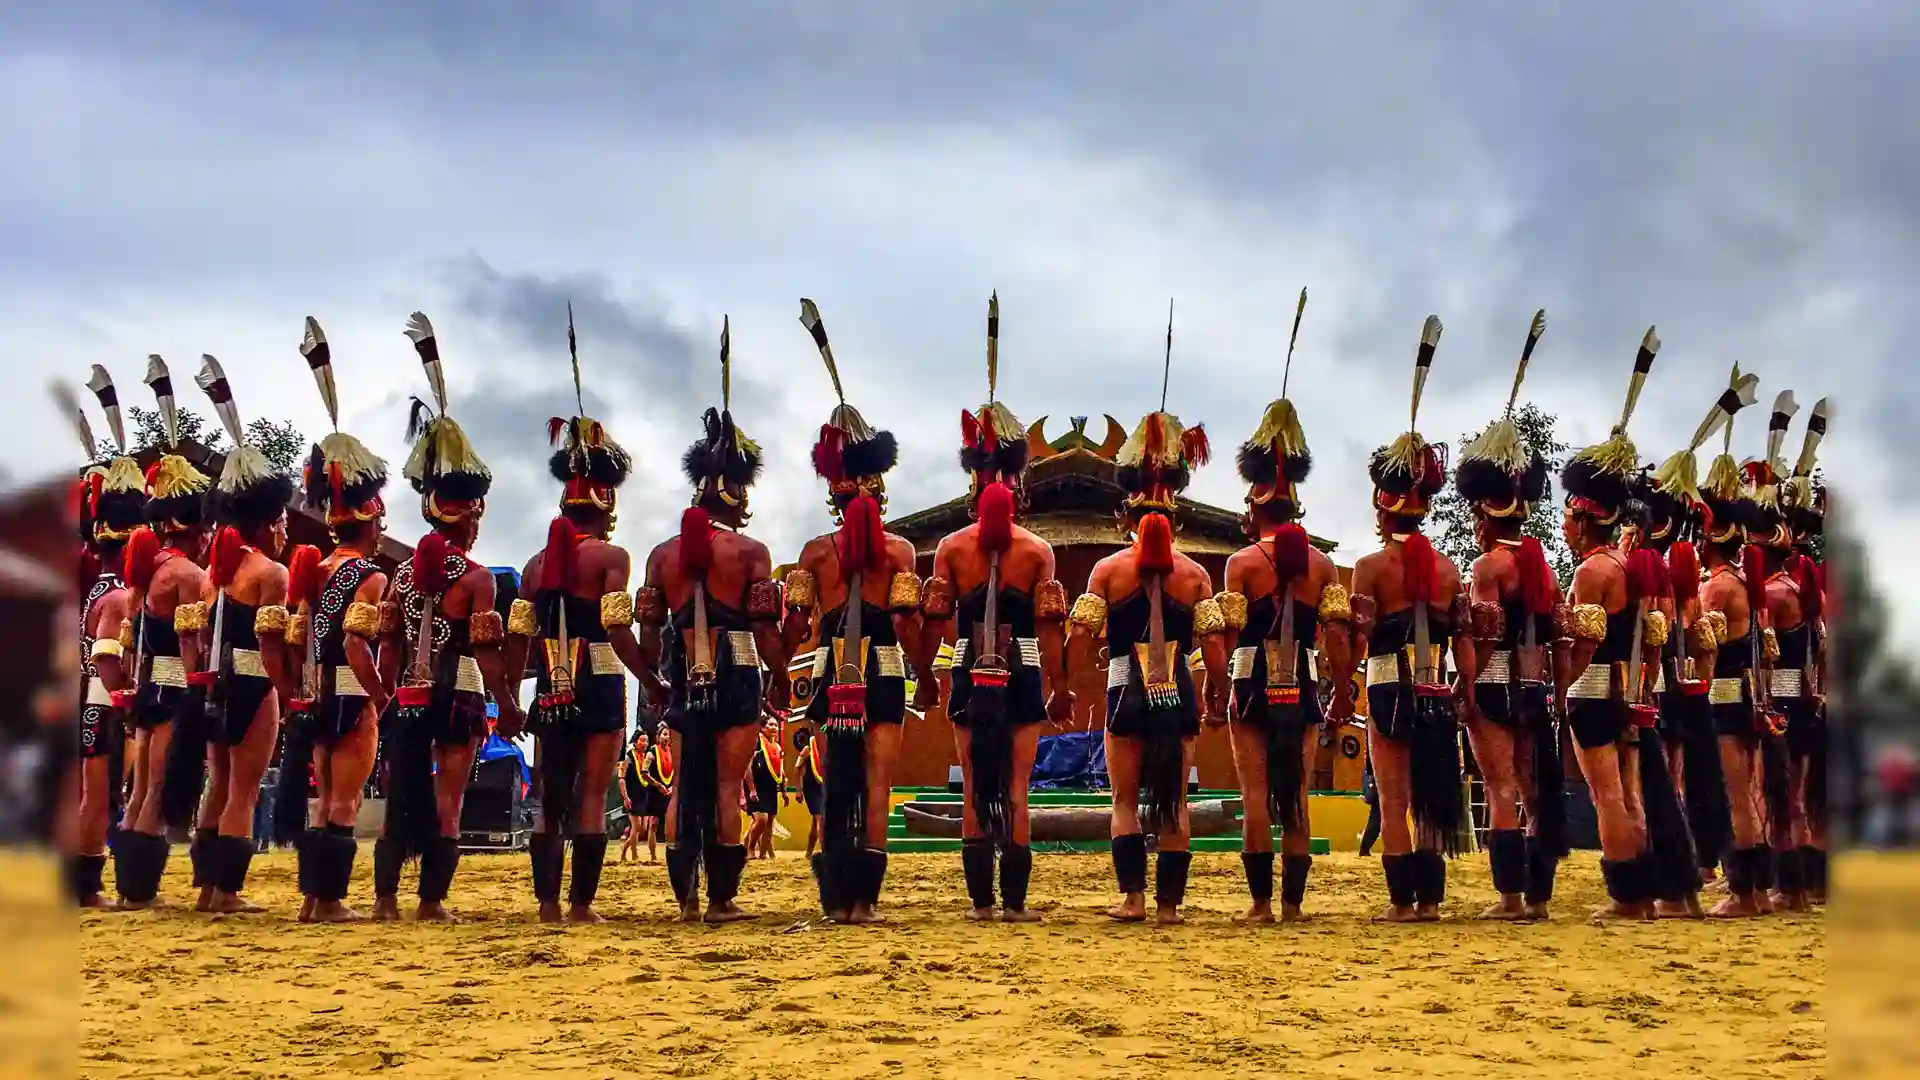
x=174 y=994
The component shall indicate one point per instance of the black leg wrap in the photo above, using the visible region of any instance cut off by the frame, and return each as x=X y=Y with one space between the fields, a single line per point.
x=1739 y=871
x=1507 y=858
x=1293 y=878
x=1619 y=876
x=341 y=851
x=200 y=856
x=873 y=875
x=1542 y=866
x=976 y=865
x=589 y=855
x=438 y=861
x=1790 y=871
x=1763 y=875
x=1170 y=877
x=389 y=855
x=1016 y=870
x=548 y=853
x=1646 y=877
x=1259 y=869
x=1130 y=862
x=683 y=873
x=725 y=865
x=1813 y=868
x=88 y=875
x=1430 y=887
x=1403 y=875
x=233 y=858
x=829 y=873
x=306 y=850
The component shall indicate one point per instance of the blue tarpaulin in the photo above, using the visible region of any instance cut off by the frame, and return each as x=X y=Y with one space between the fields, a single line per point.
x=1076 y=761
x=496 y=747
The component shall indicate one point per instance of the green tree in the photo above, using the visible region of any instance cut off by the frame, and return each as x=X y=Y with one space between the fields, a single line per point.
x=1453 y=536
x=280 y=441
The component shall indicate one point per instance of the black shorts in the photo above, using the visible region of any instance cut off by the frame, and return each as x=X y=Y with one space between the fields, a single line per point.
x=99 y=729
x=1512 y=706
x=735 y=703
x=886 y=699
x=1250 y=706
x=814 y=793
x=1738 y=720
x=1130 y=716
x=1026 y=701
x=335 y=717
x=1682 y=714
x=1806 y=727
x=1597 y=722
x=599 y=707
x=764 y=802
x=1396 y=711
x=243 y=695
x=157 y=705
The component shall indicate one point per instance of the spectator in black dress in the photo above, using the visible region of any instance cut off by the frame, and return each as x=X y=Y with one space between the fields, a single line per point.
x=812 y=787
x=766 y=788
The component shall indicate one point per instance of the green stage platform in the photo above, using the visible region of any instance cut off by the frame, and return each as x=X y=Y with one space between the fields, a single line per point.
x=899 y=839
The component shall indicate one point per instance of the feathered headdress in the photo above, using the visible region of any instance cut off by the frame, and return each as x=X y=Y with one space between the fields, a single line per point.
x=250 y=491
x=1498 y=473
x=588 y=462
x=1275 y=459
x=175 y=489
x=724 y=463
x=1763 y=478
x=444 y=467
x=849 y=455
x=993 y=444
x=1730 y=510
x=1409 y=471
x=1804 y=502
x=115 y=492
x=1157 y=460
x=1599 y=478
x=342 y=476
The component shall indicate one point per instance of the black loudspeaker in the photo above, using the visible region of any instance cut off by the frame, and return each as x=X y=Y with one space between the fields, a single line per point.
x=492 y=797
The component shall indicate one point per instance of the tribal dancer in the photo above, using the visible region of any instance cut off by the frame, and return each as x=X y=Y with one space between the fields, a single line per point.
x=1279 y=592
x=114 y=507
x=1804 y=501
x=167 y=582
x=993 y=589
x=1733 y=599
x=1409 y=602
x=1509 y=712
x=1792 y=601
x=856 y=594
x=335 y=726
x=710 y=622
x=1615 y=623
x=250 y=669
x=440 y=642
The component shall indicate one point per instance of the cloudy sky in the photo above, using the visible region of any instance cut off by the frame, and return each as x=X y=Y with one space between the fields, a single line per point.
x=190 y=178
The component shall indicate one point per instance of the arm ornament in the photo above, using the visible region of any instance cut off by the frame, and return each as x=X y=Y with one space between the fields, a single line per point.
x=1563 y=622
x=1335 y=604
x=616 y=610
x=391 y=623
x=521 y=621
x=1588 y=622
x=936 y=600
x=801 y=589
x=270 y=620
x=1364 y=614
x=1090 y=611
x=903 y=593
x=486 y=628
x=1233 y=608
x=1770 y=644
x=1657 y=629
x=650 y=605
x=763 y=601
x=1207 y=618
x=1460 y=614
x=362 y=620
x=126 y=633
x=190 y=618
x=1488 y=621
x=1700 y=636
x=1050 y=601
x=105 y=646
x=1717 y=622
x=297 y=629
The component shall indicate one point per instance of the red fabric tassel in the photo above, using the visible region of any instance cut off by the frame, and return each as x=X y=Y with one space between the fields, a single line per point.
x=1156 y=544
x=1420 y=565
x=557 y=560
x=1683 y=572
x=95 y=484
x=1536 y=577
x=336 y=487
x=143 y=553
x=555 y=426
x=969 y=429
x=1806 y=574
x=430 y=564
x=1290 y=549
x=829 y=453
x=1194 y=447
x=89 y=568
x=996 y=518
x=1643 y=575
x=228 y=547
x=1753 y=568
x=696 y=543
x=862 y=541
x=303 y=576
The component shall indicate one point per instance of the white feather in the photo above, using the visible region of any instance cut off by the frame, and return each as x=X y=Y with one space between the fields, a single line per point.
x=69 y=403
x=169 y=409
x=101 y=380
x=419 y=328
x=314 y=338
x=210 y=373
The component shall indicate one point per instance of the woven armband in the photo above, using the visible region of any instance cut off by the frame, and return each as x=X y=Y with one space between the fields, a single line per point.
x=521 y=621
x=1335 y=604
x=486 y=628
x=650 y=606
x=297 y=625
x=391 y=623
x=903 y=593
x=1233 y=609
x=1587 y=622
x=1050 y=601
x=125 y=636
x=190 y=618
x=1460 y=614
x=1487 y=621
x=362 y=619
x=763 y=601
x=1563 y=621
x=1207 y=618
x=616 y=610
x=801 y=589
x=1657 y=630
x=936 y=600
x=1701 y=638
x=1090 y=611
x=104 y=647
x=270 y=621
x=1717 y=623
x=1770 y=644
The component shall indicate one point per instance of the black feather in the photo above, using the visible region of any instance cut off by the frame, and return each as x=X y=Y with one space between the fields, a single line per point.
x=419 y=415
x=461 y=486
x=120 y=510
x=872 y=457
x=1388 y=475
x=601 y=465
x=1259 y=465
x=186 y=510
x=317 y=491
x=1480 y=480
x=251 y=506
x=1582 y=479
x=1008 y=459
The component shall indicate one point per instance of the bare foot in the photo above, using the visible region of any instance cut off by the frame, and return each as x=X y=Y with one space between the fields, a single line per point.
x=1397 y=914
x=141 y=905
x=980 y=914
x=1131 y=908
x=1020 y=915
x=865 y=915
x=1259 y=914
x=235 y=904
x=307 y=903
x=1694 y=910
x=335 y=912
x=205 y=903
x=584 y=915
x=433 y=911
x=690 y=911
x=1538 y=913
x=1427 y=912
x=1673 y=909
x=1735 y=907
x=1292 y=913
x=1616 y=911
x=725 y=913
x=550 y=912
x=1509 y=909
x=96 y=902
x=386 y=909
x=1168 y=915
x=840 y=917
